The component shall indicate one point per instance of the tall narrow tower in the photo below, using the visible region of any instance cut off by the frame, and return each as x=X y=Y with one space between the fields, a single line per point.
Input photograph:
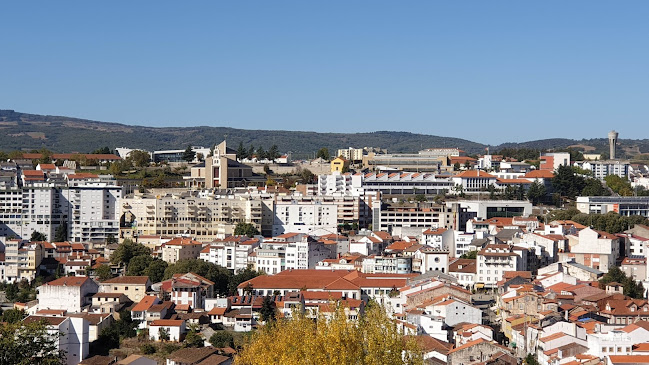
x=612 y=141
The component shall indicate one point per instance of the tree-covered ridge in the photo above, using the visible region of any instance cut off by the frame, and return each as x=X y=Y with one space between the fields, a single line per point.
x=64 y=134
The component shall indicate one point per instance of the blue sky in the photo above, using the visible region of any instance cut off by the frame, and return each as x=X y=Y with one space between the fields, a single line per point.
x=488 y=71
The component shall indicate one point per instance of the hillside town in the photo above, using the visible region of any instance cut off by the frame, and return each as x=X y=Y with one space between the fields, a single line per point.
x=174 y=256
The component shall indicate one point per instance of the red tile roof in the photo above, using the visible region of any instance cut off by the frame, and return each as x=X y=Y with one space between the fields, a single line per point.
x=69 y=281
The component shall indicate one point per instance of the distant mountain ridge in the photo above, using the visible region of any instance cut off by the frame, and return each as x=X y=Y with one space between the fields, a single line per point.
x=65 y=134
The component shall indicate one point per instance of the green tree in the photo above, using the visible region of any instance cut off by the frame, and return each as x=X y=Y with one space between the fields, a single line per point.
x=308 y=177
x=240 y=277
x=246 y=229
x=632 y=288
x=139 y=158
x=61 y=234
x=530 y=359
x=268 y=311
x=536 y=192
x=621 y=186
x=273 y=153
x=420 y=198
x=38 y=237
x=103 y=272
x=593 y=187
x=111 y=240
x=126 y=251
x=251 y=151
x=189 y=154
x=567 y=183
x=323 y=153
x=218 y=274
x=13 y=315
x=194 y=337
x=241 y=152
x=29 y=343
x=156 y=270
x=261 y=153
x=222 y=339
x=102 y=151
x=456 y=166
x=163 y=334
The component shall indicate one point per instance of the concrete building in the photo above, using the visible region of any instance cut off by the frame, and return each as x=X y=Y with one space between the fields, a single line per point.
x=180 y=249
x=203 y=216
x=40 y=201
x=305 y=216
x=552 y=160
x=416 y=162
x=603 y=168
x=387 y=264
x=21 y=260
x=415 y=216
x=493 y=261
x=623 y=205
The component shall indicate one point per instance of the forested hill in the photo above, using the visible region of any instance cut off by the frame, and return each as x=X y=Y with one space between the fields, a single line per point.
x=64 y=134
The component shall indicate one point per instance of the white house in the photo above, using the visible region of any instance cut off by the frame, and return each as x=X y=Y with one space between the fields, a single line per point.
x=174 y=328
x=70 y=293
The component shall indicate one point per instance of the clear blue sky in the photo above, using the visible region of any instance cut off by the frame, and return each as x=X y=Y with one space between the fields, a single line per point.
x=488 y=71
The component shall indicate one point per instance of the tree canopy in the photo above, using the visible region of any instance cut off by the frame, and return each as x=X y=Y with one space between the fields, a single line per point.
x=127 y=250
x=373 y=339
x=38 y=237
x=29 y=343
x=189 y=154
x=246 y=229
x=631 y=288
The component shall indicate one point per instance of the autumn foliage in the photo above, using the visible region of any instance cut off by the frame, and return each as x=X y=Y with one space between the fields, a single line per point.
x=373 y=339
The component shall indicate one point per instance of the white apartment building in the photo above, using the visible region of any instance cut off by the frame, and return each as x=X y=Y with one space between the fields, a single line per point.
x=602 y=169
x=314 y=218
x=22 y=259
x=391 y=264
x=41 y=202
x=422 y=215
x=233 y=253
x=462 y=242
x=73 y=339
x=440 y=238
x=493 y=261
x=207 y=218
x=306 y=254
x=93 y=207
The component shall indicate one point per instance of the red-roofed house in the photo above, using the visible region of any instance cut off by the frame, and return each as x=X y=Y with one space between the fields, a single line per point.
x=191 y=289
x=167 y=329
x=180 y=248
x=440 y=238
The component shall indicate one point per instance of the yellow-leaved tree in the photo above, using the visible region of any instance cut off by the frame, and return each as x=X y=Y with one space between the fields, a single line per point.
x=373 y=339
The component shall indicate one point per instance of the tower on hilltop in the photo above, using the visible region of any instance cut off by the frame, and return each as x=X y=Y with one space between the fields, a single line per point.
x=612 y=141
